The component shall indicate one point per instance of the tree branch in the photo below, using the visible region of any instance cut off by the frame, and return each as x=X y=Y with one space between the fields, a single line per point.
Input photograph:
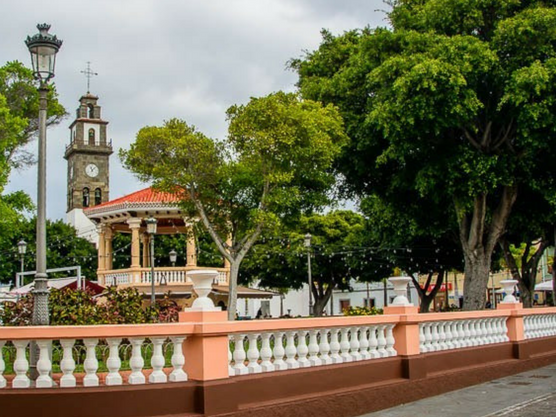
x=472 y=140
x=477 y=228
x=500 y=216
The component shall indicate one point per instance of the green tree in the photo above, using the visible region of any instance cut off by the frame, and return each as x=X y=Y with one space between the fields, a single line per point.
x=279 y=260
x=64 y=249
x=454 y=102
x=274 y=164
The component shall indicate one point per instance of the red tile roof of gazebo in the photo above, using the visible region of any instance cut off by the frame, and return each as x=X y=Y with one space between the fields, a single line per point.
x=147 y=196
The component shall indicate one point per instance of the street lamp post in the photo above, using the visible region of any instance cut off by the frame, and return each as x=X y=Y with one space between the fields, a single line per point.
x=43 y=48
x=307 y=243
x=151 y=230
x=22 y=249
x=173 y=257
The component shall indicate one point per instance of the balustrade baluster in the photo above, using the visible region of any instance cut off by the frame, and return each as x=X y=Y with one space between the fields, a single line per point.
x=239 y=355
x=178 y=360
x=373 y=343
x=231 y=371
x=345 y=345
x=324 y=348
x=364 y=343
x=422 y=339
x=473 y=330
x=21 y=365
x=435 y=346
x=278 y=352
x=461 y=333
x=67 y=364
x=442 y=335
x=335 y=347
x=90 y=365
x=448 y=335
x=381 y=339
x=291 y=350
x=428 y=337
x=266 y=353
x=44 y=365
x=314 y=359
x=2 y=365
x=113 y=363
x=390 y=341
x=354 y=344
x=157 y=376
x=302 y=349
x=253 y=354
x=136 y=362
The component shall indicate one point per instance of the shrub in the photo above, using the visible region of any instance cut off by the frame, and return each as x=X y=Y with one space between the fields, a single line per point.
x=362 y=311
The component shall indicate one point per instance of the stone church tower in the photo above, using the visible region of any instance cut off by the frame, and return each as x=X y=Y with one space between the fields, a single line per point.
x=88 y=156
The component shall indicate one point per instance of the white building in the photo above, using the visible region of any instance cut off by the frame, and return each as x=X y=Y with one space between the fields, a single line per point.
x=296 y=302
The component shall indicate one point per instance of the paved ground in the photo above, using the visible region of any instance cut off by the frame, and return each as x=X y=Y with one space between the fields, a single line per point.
x=530 y=394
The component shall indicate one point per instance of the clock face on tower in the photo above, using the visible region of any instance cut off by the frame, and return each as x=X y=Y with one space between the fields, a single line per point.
x=91 y=170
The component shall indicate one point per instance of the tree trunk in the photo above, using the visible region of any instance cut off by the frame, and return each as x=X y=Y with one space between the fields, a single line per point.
x=477 y=269
x=320 y=304
x=232 y=295
x=425 y=299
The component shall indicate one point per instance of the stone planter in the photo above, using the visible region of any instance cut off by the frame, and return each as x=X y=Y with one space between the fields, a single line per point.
x=508 y=286
x=400 y=289
x=202 y=285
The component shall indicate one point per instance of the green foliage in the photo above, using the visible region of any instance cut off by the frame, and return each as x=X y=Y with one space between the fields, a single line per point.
x=64 y=248
x=274 y=164
x=362 y=311
x=453 y=107
x=81 y=307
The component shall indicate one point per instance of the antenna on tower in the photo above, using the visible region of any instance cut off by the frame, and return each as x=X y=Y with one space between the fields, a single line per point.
x=89 y=74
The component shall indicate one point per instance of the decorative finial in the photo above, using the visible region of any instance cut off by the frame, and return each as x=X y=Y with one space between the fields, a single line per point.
x=89 y=74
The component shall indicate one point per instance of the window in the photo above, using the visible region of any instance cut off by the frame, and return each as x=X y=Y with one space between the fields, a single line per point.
x=370 y=302
x=98 y=196
x=70 y=198
x=91 y=111
x=91 y=136
x=345 y=305
x=85 y=197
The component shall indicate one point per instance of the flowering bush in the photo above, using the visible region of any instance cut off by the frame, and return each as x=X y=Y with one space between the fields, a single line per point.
x=80 y=307
x=362 y=311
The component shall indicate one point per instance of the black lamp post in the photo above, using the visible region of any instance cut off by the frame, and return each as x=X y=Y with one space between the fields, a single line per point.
x=43 y=48
x=22 y=250
x=151 y=230
x=173 y=257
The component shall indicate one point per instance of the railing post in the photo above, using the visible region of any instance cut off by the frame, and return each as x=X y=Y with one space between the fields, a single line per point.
x=406 y=331
x=516 y=328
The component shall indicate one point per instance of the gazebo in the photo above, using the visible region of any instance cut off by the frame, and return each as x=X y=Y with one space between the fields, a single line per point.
x=127 y=214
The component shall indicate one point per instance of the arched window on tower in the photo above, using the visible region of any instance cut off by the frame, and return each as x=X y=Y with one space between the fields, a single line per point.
x=98 y=196
x=86 y=197
x=91 y=111
x=91 y=136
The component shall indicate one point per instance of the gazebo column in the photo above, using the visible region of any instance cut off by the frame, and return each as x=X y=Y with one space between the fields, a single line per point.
x=229 y=243
x=108 y=235
x=101 y=253
x=145 y=244
x=191 y=250
x=134 y=225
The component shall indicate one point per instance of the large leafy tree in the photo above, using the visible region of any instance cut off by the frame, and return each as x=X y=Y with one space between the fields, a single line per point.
x=19 y=109
x=64 y=249
x=274 y=164
x=454 y=102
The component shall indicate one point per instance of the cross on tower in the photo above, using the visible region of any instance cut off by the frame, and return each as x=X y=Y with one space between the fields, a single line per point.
x=89 y=74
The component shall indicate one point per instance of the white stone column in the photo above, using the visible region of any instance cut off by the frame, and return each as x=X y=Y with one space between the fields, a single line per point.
x=108 y=235
x=101 y=253
x=145 y=258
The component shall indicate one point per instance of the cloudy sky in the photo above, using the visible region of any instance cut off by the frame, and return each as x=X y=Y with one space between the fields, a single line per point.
x=160 y=59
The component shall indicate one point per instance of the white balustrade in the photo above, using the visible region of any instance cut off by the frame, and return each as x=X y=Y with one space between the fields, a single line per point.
x=314 y=360
x=136 y=362
x=113 y=363
x=21 y=365
x=291 y=351
x=239 y=355
x=44 y=365
x=302 y=349
x=354 y=344
x=90 y=365
x=373 y=343
x=266 y=353
x=67 y=364
x=324 y=348
x=253 y=354
x=390 y=341
x=335 y=346
x=345 y=345
x=231 y=371
x=157 y=376
x=539 y=325
x=456 y=334
x=279 y=352
x=178 y=360
x=381 y=339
